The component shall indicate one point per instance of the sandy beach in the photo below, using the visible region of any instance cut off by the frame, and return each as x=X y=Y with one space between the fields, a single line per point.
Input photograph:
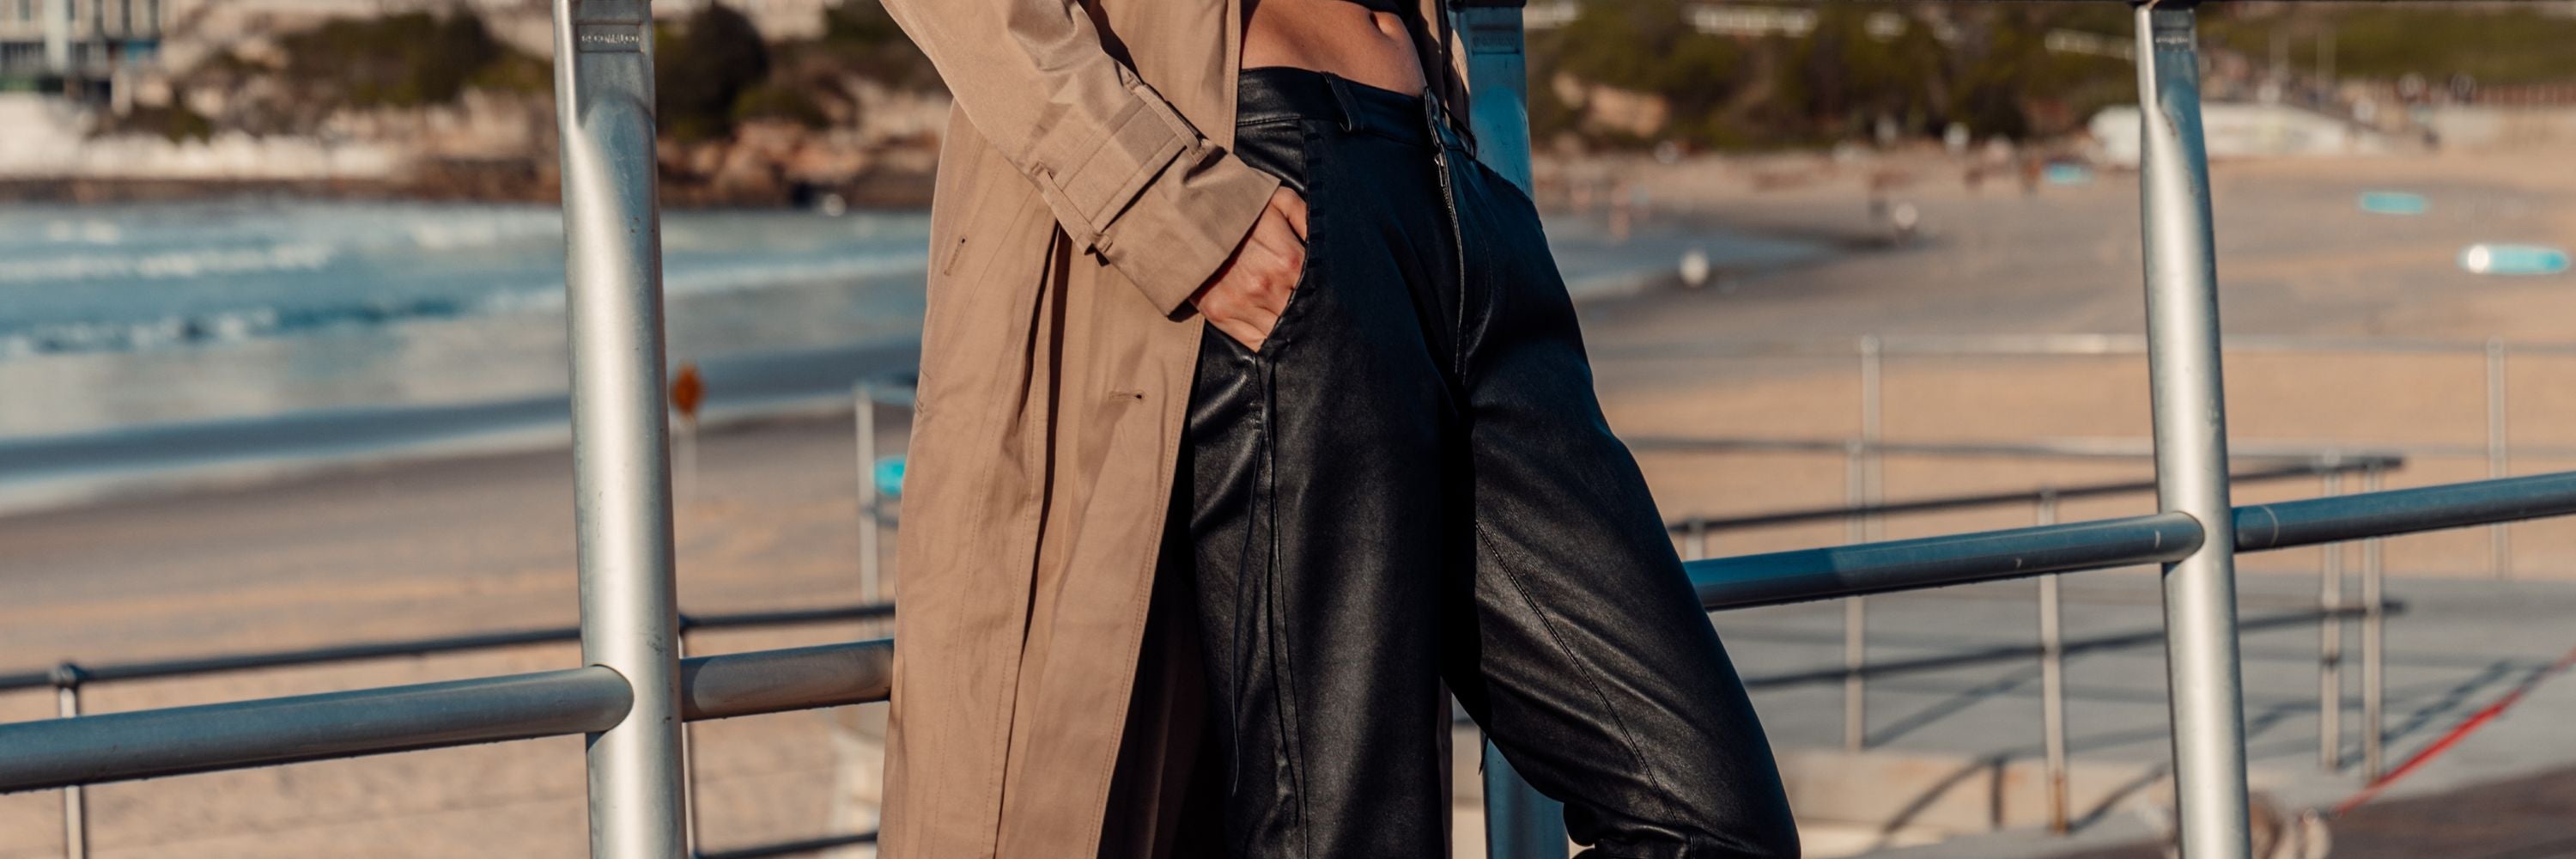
x=484 y=543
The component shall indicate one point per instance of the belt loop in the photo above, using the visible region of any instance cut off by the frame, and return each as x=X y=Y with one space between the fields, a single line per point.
x=1444 y=125
x=1434 y=119
x=1342 y=99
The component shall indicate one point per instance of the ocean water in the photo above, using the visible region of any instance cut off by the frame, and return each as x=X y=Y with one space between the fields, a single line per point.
x=150 y=343
x=144 y=276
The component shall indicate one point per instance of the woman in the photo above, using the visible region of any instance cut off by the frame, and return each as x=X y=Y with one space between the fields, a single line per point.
x=1251 y=410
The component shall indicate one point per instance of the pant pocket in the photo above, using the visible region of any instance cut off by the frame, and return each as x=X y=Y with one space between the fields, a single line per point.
x=1310 y=272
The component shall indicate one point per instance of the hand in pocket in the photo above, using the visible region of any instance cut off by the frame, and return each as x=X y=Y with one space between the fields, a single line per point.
x=1247 y=295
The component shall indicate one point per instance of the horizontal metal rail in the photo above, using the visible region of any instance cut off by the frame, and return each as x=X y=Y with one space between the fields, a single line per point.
x=2089 y=448
x=1776 y=578
x=2070 y=448
x=147 y=743
x=791 y=848
x=777 y=681
x=2026 y=652
x=2352 y=465
x=266 y=732
x=270 y=731
x=2388 y=513
x=1809 y=574
x=2009 y=345
x=75 y=674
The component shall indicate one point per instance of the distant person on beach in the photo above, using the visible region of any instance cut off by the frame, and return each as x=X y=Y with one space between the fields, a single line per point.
x=1252 y=409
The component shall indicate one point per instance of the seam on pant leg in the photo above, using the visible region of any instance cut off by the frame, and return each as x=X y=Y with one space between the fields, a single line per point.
x=1283 y=680
x=1636 y=750
x=1237 y=633
x=1236 y=626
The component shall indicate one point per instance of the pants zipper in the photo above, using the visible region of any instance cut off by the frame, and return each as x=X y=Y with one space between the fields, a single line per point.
x=1457 y=232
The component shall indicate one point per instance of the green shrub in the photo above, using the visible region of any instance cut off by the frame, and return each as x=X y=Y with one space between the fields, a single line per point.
x=406 y=60
x=1644 y=46
x=1842 y=78
x=175 y=123
x=1833 y=82
x=778 y=101
x=859 y=37
x=516 y=73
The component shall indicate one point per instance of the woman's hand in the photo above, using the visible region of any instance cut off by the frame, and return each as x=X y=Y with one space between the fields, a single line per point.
x=1247 y=295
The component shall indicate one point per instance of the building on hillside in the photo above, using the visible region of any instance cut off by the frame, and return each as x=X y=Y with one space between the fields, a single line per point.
x=85 y=46
x=75 y=44
x=523 y=23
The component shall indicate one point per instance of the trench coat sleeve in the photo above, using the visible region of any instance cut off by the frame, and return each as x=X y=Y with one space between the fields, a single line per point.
x=1124 y=173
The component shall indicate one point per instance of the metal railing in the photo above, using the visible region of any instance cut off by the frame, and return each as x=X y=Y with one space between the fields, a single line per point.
x=1697 y=534
x=634 y=690
x=172 y=741
x=1865 y=509
x=70 y=679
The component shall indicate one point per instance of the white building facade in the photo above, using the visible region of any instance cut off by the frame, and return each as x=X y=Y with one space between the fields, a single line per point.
x=77 y=38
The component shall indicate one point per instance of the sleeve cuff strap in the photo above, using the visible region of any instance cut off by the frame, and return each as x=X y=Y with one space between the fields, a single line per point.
x=1185 y=227
x=1092 y=182
x=1154 y=199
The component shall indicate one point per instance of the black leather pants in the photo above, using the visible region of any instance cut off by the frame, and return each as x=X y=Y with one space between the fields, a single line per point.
x=1412 y=482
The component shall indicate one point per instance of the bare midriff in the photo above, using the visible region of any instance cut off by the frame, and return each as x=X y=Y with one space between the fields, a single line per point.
x=1337 y=36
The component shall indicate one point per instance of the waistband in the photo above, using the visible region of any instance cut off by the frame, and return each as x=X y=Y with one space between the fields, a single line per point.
x=1272 y=94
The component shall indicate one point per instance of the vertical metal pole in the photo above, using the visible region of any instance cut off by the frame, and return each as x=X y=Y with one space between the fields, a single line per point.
x=2052 y=681
x=684 y=449
x=2499 y=457
x=1855 y=660
x=1872 y=409
x=2374 y=614
x=1864 y=491
x=1695 y=543
x=1520 y=822
x=689 y=764
x=67 y=704
x=2207 y=691
x=2330 y=641
x=1498 y=73
x=1855 y=609
x=871 y=586
x=622 y=472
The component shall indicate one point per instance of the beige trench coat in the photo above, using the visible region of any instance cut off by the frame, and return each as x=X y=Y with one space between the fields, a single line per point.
x=1084 y=194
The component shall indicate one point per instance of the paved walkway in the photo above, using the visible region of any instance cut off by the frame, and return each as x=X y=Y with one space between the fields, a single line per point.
x=2457 y=647
x=2520 y=818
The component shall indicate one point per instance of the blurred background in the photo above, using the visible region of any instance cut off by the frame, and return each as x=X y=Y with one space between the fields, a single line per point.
x=282 y=366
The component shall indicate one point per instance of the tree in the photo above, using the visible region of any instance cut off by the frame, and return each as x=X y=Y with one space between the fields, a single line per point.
x=1645 y=46
x=702 y=69
x=860 y=36
x=1846 y=77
